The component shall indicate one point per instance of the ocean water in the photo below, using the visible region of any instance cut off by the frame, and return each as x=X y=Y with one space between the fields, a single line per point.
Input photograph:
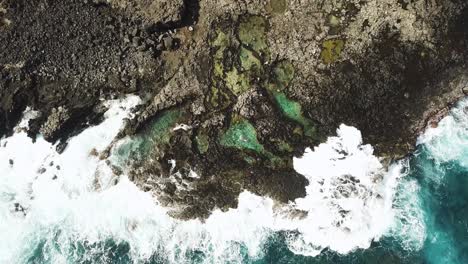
x=70 y=208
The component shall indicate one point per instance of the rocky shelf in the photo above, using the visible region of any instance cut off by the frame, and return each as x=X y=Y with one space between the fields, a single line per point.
x=250 y=83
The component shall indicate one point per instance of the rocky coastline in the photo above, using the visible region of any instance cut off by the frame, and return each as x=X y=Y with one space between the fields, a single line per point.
x=250 y=84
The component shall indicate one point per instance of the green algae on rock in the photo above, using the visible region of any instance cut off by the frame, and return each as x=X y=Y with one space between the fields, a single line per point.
x=331 y=50
x=283 y=73
x=277 y=6
x=220 y=43
x=252 y=33
x=283 y=146
x=236 y=81
x=334 y=21
x=219 y=97
x=249 y=61
x=236 y=62
x=202 y=142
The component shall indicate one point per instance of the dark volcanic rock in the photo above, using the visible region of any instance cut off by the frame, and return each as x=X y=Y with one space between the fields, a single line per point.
x=69 y=54
x=250 y=84
x=165 y=12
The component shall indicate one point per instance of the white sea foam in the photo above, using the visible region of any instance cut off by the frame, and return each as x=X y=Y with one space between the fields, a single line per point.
x=28 y=114
x=349 y=197
x=449 y=140
x=348 y=203
x=48 y=186
x=408 y=226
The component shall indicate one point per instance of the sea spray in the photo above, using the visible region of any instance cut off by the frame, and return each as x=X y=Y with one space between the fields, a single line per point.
x=41 y=189
x=73 y=211
x=349 y=197
x=441 y=166
x=408 y=228
x=449 y=140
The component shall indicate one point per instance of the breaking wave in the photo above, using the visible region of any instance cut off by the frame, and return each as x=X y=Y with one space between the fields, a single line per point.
x=441 y=166
x=71 y=208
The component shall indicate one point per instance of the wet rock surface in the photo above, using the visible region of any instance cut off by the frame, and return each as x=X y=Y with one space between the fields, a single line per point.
x=249 y=84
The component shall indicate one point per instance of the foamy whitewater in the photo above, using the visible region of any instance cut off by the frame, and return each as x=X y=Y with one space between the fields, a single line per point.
x=65 y=208
x=449 y=140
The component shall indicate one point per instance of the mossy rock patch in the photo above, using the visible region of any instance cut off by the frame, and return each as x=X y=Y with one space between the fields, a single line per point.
x=202 y=141
x=252 y=33
x=277 y=6
x=284 y=73
x=331 y=50
x=238 y=59
x=249 y=61
x=237 y=82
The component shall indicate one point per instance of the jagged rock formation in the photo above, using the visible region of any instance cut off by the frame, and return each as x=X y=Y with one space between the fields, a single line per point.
x=254 y=82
